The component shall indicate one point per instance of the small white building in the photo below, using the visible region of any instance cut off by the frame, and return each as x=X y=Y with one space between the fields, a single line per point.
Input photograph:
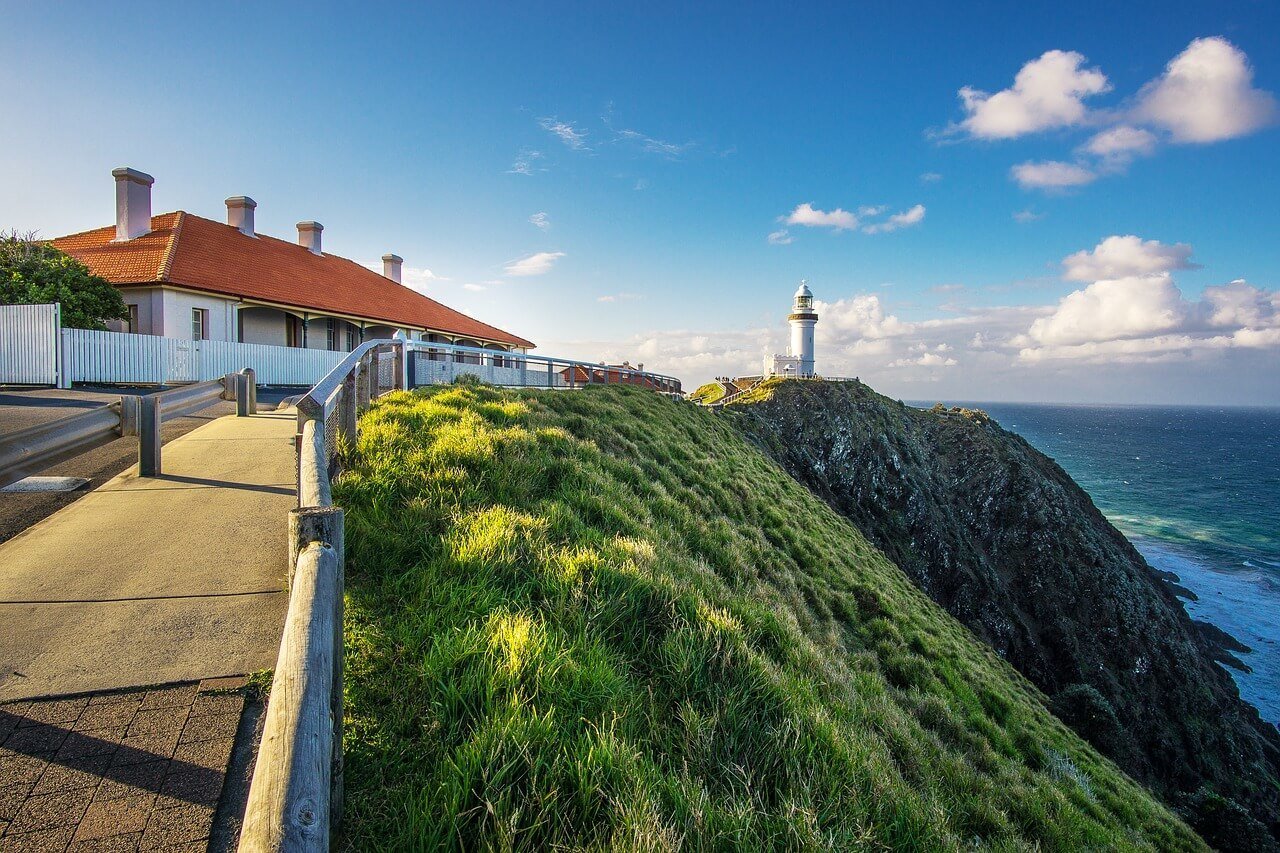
x=799 y=359
x=184 y=276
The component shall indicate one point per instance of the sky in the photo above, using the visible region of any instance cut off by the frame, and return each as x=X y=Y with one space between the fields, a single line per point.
x=1056 y=203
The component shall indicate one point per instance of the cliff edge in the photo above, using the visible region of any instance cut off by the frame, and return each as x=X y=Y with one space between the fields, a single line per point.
x=1001 y=536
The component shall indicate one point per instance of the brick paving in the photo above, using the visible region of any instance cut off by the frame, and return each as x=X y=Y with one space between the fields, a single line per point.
x=126 y=770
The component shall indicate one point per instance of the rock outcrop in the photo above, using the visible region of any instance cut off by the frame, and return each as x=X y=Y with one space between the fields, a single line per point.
x=1002 y=537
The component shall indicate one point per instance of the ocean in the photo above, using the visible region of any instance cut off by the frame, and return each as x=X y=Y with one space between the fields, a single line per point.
x=1197 y=491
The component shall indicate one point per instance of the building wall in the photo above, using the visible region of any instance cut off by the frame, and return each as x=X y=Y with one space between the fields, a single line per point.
x=177 y=307
x=263 y=326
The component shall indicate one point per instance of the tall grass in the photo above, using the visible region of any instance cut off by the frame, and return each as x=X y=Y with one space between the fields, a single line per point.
x=601 y=619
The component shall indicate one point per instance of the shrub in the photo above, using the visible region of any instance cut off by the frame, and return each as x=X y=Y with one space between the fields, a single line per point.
x=33 y=272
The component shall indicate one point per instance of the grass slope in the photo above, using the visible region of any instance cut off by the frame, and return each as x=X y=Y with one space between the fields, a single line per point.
x=712 y=392
x=603 y=619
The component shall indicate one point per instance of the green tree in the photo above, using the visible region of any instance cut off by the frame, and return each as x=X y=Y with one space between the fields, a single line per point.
x=33 y=272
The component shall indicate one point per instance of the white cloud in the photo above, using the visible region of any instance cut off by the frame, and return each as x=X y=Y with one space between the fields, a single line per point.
x=1133 y=311
x=1051 y=175
x=651 y=145
x=541 y=220
x=930 y=178
x=1047 y=92
x=871 y=210
x=906 y=219
x=1025 y=216
x=535 y=264
x=525 y=163
x=1119 y=257
x=618 y=297
x=1118 y=145
x=927 y=359
x=567 y=133
x=861 y=316
x=1113 y=309
x=838 y=219
x=1206 y=94
x=475 y=288
x=780 y=237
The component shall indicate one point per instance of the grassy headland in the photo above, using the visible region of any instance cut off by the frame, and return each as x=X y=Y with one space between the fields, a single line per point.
x=604 y=619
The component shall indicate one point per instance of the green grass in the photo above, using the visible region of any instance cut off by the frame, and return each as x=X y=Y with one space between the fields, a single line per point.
x=601 y=619
x=712 y=392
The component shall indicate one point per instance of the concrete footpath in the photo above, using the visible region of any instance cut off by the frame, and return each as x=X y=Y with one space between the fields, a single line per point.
x=147 y=581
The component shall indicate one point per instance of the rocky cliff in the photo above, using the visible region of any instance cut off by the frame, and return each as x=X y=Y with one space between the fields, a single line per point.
x=1003 y=538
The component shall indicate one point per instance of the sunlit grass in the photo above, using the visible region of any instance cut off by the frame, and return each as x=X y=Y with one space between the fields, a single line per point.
x=602 y=619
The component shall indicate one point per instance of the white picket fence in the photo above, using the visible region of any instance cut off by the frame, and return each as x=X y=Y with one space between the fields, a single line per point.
x=29 y=344
x=119 y=358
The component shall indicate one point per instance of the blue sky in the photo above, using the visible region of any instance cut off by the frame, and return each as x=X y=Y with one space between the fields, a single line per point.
x=665 y=146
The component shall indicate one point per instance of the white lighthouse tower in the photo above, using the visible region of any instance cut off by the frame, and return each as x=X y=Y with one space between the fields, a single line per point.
x=799 y=360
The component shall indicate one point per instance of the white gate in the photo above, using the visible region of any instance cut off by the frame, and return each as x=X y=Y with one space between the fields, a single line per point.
x=29 y=344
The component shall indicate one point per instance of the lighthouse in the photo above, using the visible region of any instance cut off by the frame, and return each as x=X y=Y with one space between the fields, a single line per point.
x=799 y=359
x=802 y=319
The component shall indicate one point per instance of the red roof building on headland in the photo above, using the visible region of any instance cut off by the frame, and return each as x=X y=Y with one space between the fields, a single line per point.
x=189 y=277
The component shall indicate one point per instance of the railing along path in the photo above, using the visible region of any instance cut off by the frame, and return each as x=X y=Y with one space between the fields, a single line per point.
x=296 y=794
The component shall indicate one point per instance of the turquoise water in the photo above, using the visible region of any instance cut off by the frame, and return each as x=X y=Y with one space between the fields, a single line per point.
x=1197 y=491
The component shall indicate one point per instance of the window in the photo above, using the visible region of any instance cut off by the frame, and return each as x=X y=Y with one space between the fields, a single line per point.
x=292 y=331
x=331 y=334
x=199 y=324
x=132 y=327
x=351 y=337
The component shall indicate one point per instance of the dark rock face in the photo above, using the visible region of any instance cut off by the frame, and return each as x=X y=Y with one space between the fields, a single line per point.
x=1002 y=537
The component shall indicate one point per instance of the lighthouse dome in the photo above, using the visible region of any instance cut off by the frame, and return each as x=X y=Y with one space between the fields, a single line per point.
x=803 y=290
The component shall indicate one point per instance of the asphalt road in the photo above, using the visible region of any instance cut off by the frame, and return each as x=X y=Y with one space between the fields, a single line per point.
x=24 y=408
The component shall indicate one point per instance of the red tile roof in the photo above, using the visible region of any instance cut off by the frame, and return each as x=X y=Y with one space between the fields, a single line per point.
x=191 y=251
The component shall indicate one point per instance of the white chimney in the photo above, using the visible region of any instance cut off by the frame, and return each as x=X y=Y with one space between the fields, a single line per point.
x=133 y=203
x=391 y=267
x=309 y=236
x=240 y=213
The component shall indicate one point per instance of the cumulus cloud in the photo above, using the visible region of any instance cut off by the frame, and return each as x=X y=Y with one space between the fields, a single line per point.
x=1135 y=312
x=1113 y=309
x=781 y=237
x=1206 y=94
x=540 y=220
x=1025 y=216
x=1121 y=256
x=928 y=359
x=1047 y=92
x=906 y=219
x=1118 y=145
x=535 y=264
x=1051 y=175
x=807 y=215
x=566 y=132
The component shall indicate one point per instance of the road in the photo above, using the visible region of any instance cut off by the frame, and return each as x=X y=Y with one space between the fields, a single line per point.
x=24 y=408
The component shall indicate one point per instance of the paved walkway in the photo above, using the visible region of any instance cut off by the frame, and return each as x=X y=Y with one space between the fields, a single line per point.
x=121 y=771
x=153 y=580
x=175 y=581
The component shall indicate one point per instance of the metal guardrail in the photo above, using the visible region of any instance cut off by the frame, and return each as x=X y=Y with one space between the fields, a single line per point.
x=29 y=451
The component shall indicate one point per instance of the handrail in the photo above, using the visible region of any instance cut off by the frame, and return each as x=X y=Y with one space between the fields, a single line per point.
x=289 y=798
x=318 y=400
x=293 y=772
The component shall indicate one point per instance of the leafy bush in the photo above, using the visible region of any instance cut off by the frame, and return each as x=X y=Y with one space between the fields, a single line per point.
x=34 y=272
